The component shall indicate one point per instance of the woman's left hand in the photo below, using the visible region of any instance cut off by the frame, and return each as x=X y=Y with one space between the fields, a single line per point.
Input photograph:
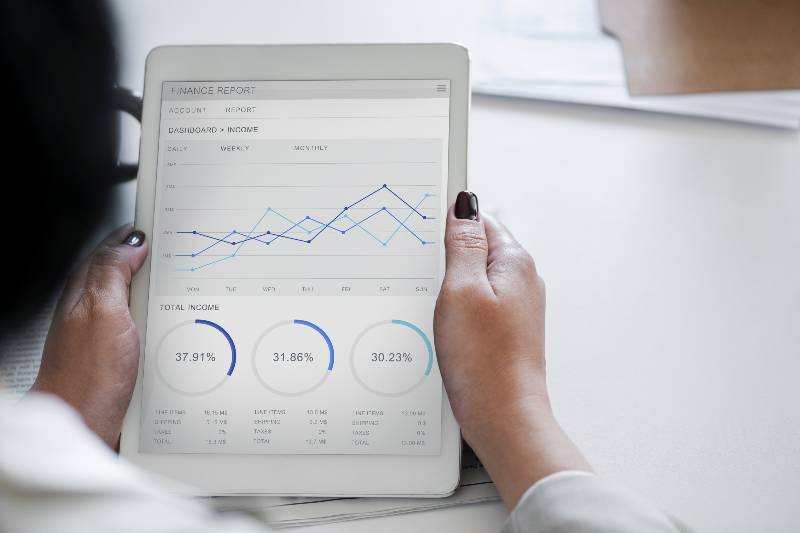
x=91 y=355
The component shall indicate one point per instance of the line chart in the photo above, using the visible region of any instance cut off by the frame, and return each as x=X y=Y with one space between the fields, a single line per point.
x=310 y=228
x=361 y=217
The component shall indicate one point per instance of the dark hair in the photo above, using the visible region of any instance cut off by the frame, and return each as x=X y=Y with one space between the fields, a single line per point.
x=58 y=69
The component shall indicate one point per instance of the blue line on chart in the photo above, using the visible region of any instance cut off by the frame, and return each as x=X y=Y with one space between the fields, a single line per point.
x=238 y=239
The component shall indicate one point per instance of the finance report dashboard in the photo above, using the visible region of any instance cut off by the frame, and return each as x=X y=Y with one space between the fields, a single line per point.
x=297 y=256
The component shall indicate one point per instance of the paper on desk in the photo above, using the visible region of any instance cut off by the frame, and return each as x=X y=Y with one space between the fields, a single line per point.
x=475 y=487
x=557 y=51
x=722 y=106
x=22 y=352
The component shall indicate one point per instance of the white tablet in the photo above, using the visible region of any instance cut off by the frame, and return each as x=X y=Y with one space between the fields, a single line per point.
x=295 y=200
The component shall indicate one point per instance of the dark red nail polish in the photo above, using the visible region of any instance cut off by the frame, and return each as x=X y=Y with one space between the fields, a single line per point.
x=466 y=206
x=134 y=238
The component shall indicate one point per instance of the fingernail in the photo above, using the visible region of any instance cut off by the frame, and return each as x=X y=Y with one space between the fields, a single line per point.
x=134 y=238
x=466 y=206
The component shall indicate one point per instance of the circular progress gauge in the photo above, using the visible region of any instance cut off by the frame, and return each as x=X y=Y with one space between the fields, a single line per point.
x=293 y=357
x=391 y=357
x=195 y=357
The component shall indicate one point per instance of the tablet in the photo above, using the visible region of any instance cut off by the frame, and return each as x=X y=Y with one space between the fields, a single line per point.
x=295 y=199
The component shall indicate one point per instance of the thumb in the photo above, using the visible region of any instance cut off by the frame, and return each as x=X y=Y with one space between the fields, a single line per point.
x=108 y=270
x=466 y=247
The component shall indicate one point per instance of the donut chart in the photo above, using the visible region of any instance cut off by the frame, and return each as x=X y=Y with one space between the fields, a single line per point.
x=293 y=357
x=391 y=357
x=195 y=357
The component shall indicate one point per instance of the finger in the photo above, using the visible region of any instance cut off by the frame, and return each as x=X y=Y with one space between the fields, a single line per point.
x=77 y=280
x=109 y=268
x=466 y=250
x=500 y=239
x=509 y=264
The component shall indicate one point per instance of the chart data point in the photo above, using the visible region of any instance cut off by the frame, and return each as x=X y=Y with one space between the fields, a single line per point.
x=194 y=231
x=424 y=217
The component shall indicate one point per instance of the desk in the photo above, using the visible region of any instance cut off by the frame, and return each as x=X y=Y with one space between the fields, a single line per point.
x=671 y=252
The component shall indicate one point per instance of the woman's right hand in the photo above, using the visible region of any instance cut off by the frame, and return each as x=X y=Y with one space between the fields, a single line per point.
x=489 y=333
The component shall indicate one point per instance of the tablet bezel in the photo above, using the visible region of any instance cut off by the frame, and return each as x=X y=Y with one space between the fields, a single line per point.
x=318 y=475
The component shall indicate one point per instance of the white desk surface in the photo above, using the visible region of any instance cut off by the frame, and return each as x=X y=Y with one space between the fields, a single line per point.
x=671 y=252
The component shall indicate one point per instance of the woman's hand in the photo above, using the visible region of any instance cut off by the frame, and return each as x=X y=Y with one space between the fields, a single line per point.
x=91 y=355
x=489 y=332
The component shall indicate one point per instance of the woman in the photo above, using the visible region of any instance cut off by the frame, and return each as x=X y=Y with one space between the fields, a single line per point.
x=58 y=469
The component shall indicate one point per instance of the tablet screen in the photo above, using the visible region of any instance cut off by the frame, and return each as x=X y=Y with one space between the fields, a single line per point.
x=297 y=256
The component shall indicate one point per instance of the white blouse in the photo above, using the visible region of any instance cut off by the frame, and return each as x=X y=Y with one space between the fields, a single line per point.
x=56 y=475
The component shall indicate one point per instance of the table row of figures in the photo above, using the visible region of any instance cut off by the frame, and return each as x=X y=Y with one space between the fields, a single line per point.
x=291 y=358
x=292 y=430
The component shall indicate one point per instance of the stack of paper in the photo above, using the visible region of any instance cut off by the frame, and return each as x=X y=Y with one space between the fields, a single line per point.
x=22 y=351
x=475 y=487
x=557 y=51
